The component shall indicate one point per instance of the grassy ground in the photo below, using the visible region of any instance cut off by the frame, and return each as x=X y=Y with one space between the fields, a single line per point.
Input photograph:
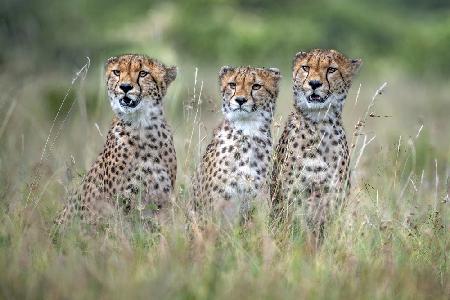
x=390 y=242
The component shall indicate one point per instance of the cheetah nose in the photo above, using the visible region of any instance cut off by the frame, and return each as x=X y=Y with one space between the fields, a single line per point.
x=240 y=100
x=126 y=87
x=315 y=84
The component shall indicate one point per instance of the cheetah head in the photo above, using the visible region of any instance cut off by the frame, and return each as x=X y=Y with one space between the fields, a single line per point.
x=248 y=93
x=322 y=79
x=136 y=84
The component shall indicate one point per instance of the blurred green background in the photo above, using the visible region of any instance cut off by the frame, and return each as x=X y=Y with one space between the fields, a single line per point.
x=410 y=34
x=54 y=115
x=45 y=43
x=413 y=35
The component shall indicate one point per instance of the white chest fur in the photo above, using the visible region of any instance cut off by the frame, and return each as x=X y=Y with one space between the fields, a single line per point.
x=246 y=157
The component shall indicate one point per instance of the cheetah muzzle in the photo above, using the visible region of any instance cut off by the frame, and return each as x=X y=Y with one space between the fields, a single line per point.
x=128 y=102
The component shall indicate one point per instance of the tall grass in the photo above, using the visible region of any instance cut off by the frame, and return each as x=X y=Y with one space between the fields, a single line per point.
x=390 y=242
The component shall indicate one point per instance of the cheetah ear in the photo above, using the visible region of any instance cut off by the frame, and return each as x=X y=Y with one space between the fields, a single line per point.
x=298 y=56
x=171 y=74
x=224 y=70
x=111 y=60
x=275 y=72
x=355 y=65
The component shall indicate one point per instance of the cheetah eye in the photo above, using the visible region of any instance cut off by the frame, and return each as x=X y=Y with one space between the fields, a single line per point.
x=256 y=87
x=232 y=85
x=331 y=70
x=305 y=68
x=116 y=72
x=143 y=73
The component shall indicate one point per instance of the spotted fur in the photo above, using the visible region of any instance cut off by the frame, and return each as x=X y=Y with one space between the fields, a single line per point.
x=312 y=157
x=137 y=167
x=234 y=169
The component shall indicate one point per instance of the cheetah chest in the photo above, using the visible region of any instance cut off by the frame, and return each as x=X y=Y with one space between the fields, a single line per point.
x=318 y=157
x=144 y=168
x=247 y=158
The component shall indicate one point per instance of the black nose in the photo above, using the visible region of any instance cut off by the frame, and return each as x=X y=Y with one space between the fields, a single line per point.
x=240 y=100
x=315 y=84
x=126 y=87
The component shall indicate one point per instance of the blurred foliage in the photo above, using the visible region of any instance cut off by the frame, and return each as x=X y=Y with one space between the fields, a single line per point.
x=391 y=241
x=414 y=35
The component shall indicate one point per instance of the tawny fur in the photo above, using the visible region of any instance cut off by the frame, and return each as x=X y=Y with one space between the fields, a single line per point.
x=235 y=167
x=137 y=167
x=312 y=156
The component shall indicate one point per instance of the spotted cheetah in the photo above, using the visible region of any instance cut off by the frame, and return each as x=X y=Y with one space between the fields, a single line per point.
x=137 y=167
x=235 y=166
x=312 y=157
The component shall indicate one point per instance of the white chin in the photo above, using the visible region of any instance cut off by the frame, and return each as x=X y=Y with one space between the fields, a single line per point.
x=240 y=116
x=123 y=111
x=305 y=105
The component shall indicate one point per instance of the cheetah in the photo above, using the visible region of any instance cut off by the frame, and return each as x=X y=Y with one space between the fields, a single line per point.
x=234 y=169
x=137 y=167
x=311 y=164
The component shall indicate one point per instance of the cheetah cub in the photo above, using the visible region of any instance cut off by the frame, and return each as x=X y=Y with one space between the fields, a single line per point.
x=312 y=157
x=234 y=169
x=137 y=166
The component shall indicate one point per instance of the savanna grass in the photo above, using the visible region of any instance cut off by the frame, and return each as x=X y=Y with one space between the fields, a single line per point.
x=391 y=241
